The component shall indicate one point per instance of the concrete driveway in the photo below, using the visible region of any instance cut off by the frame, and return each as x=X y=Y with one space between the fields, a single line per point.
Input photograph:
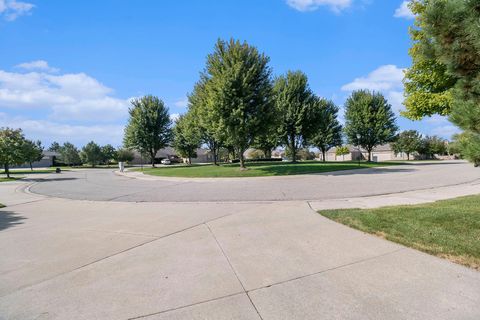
x=84 y=259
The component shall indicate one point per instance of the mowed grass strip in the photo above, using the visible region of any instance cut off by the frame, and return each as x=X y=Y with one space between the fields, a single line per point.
x=448 y=229
x=28 y=171
x=257 y=169
x=4 y=179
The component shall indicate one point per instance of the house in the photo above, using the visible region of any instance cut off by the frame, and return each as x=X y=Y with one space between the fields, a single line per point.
x=48 y=160
x=203 y=156
x=379 y=153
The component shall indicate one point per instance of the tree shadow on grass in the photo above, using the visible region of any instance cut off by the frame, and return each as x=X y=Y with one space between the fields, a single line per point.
x=9 y=219
x=328 y=169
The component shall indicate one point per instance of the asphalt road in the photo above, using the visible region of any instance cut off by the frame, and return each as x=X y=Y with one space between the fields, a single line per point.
x=105 y=185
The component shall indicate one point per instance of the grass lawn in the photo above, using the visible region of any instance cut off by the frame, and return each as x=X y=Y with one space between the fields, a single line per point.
x=5 y=179
x=28 y=171
x=257 y=169
x=449 y=229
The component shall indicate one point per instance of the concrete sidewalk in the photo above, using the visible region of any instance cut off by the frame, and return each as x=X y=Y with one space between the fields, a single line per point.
x=65 y=259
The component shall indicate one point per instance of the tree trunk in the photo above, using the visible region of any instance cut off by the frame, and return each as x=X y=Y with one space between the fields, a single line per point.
x=152 y=158
x=323 y=155
x=242 y=161
x=31 y=167
x=215 y=154
x=7 y=170
x=369 y=155
x=408 y=156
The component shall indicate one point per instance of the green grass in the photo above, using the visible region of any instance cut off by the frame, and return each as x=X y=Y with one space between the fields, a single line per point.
x=4 y=179
x=256 y=169
x=449 y=229
x=28 y=171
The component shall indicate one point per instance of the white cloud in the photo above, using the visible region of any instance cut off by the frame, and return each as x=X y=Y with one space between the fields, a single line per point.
x=40 y=65
x=75 y=96
x=404 y=11
x=12 y=9
x=386 y=79
x=174 y=117
x=446 y=131
x=182 y=103
x=311 y=5
x=48 y=131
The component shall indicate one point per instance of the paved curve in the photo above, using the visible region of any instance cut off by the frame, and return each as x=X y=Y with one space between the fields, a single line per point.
x=105 y=185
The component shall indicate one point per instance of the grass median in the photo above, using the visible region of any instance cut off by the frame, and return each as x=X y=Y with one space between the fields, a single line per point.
x=258 y=169
x=448 y=229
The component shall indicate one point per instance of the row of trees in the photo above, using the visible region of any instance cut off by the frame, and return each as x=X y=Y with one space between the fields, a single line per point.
x=15 y=149
x=411 y=141
x=445 y=75
x=238 y=104
x=91 y=154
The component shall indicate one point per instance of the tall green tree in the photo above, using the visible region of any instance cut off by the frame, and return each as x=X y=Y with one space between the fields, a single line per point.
x=294 y=100
x=205 y=118
x=91 y=154
x=327 y=132
x=448 y=38
x=468 y=149
x=369 y=120
x=11 y=148
x=431 y=146
x=32 y=151
x=124 y=155
x=186 y=137
x=239 y=92
x=108 y=153
x=149 y=127
x=55 y=147
x=428 y=85
x=408 y=141
x=69 y=154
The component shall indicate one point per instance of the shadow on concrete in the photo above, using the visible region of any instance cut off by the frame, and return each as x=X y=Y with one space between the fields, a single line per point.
x=48 y=179
x=369 y=171
x=9 y=219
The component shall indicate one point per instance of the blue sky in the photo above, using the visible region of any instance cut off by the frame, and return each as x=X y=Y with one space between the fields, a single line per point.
x=69 y=68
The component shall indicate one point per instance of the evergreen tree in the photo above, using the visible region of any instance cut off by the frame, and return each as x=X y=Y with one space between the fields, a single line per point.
x=293 y=99
x=327 y=130
x=369 y=120
x=149 y=127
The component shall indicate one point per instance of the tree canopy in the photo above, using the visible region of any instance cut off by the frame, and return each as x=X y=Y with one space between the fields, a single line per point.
x=408 y=141
x=32 y=151
x=91 y=154
x=327 y=132
x=239 y=93
x=149 y=126
x=11 y=148
x=294 y=104
x=369 y=120
x=186 y=137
